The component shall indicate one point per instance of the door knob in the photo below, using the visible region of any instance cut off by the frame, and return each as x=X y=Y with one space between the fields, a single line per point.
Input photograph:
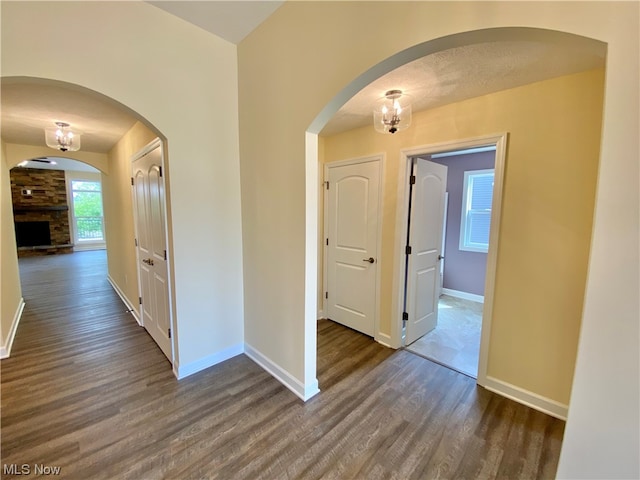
x=370 y=260
x=148 y=261
x=440 y=257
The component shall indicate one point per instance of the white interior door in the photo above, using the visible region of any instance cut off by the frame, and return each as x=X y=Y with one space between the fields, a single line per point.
x=425 y=239
x=352 y=244
x=148 y=194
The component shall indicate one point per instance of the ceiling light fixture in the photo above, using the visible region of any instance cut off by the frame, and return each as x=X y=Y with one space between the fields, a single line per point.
x=392 y=112
x=62 y=138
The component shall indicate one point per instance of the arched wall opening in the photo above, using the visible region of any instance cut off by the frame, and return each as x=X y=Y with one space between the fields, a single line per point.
x=165 y=80
x=112 y=164
x=62 y=182
x=313 y=180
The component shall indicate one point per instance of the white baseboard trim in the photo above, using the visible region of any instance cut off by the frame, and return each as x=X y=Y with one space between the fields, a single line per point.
x=182 y=371
x=463 y=295
x=5 y=350
x=320 y=315
x=530 y=399
x=304 y=392
x=125 y=300
x=383 y=339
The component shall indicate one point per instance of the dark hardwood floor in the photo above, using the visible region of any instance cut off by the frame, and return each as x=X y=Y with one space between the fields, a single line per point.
x=87 y=390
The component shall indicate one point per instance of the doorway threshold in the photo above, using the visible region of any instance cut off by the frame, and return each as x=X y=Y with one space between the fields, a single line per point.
x=434 y=360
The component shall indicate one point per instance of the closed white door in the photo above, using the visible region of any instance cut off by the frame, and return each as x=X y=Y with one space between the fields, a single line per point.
x=148 y=195
x=352 y=244
x=425 y=240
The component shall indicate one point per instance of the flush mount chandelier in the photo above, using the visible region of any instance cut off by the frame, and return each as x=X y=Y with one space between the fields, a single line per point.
x=62 y=138
x=392 y=112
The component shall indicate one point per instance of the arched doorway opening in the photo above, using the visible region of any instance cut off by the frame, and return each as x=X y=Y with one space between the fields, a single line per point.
x=393 y=337
x=98 y=176
x=57 y=185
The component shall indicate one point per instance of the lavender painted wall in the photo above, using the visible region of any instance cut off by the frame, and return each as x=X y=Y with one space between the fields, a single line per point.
x=463 y=271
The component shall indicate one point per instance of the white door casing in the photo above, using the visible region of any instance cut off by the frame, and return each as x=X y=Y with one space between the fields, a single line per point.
x=499 y=140
x=351 y=234
x=425 y=240
x=444 y=238
x=150 y=221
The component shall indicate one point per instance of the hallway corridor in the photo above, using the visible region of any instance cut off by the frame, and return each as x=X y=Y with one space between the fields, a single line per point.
x=88 y=391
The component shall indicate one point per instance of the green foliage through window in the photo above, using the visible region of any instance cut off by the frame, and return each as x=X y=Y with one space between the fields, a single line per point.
x=87 y=209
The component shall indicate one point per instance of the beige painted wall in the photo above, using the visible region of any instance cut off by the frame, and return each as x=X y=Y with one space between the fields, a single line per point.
x=184 y=82
x=10 y=290
x=290 y=69
x=118 y=212
x=549 y=194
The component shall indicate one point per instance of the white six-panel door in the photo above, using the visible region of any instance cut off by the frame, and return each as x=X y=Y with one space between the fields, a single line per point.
x=352 y=244
x=148 y=196
x=425 y=238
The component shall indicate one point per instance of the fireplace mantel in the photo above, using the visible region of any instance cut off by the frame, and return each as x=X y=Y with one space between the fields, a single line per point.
x=37 y=208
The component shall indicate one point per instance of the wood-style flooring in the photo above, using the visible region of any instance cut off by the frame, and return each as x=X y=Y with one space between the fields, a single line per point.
x=88 y=391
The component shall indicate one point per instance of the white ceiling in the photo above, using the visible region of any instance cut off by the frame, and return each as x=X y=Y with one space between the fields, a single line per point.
x=231 y=20
x=437 y=79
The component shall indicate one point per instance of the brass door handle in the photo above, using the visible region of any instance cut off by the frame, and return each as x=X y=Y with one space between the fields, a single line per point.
x=370 y=260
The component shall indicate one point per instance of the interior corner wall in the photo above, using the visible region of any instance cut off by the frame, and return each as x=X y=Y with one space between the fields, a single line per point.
x=10 y=289
x=183 y=81
x=118 y=212
x=547 y=211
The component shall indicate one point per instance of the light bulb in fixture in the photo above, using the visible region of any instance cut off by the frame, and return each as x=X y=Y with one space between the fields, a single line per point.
x=62 y=138
x=392 y=112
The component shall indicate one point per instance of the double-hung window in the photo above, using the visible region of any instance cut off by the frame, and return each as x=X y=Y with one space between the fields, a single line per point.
x=477 y=195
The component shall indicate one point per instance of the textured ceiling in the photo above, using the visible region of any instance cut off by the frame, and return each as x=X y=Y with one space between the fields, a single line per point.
x=29 y=108
x=467 y=72
x=437 y=79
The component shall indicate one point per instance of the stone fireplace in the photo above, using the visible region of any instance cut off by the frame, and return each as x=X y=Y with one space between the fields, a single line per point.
x=33 y=234
x=40 y=211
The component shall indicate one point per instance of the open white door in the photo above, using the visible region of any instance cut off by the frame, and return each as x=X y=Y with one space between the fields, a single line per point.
x=426 y=221
x=149 y=205
x=352 y=244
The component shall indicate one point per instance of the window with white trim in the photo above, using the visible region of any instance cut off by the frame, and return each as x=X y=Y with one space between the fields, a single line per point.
x=477 y=196
x=87 y=210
